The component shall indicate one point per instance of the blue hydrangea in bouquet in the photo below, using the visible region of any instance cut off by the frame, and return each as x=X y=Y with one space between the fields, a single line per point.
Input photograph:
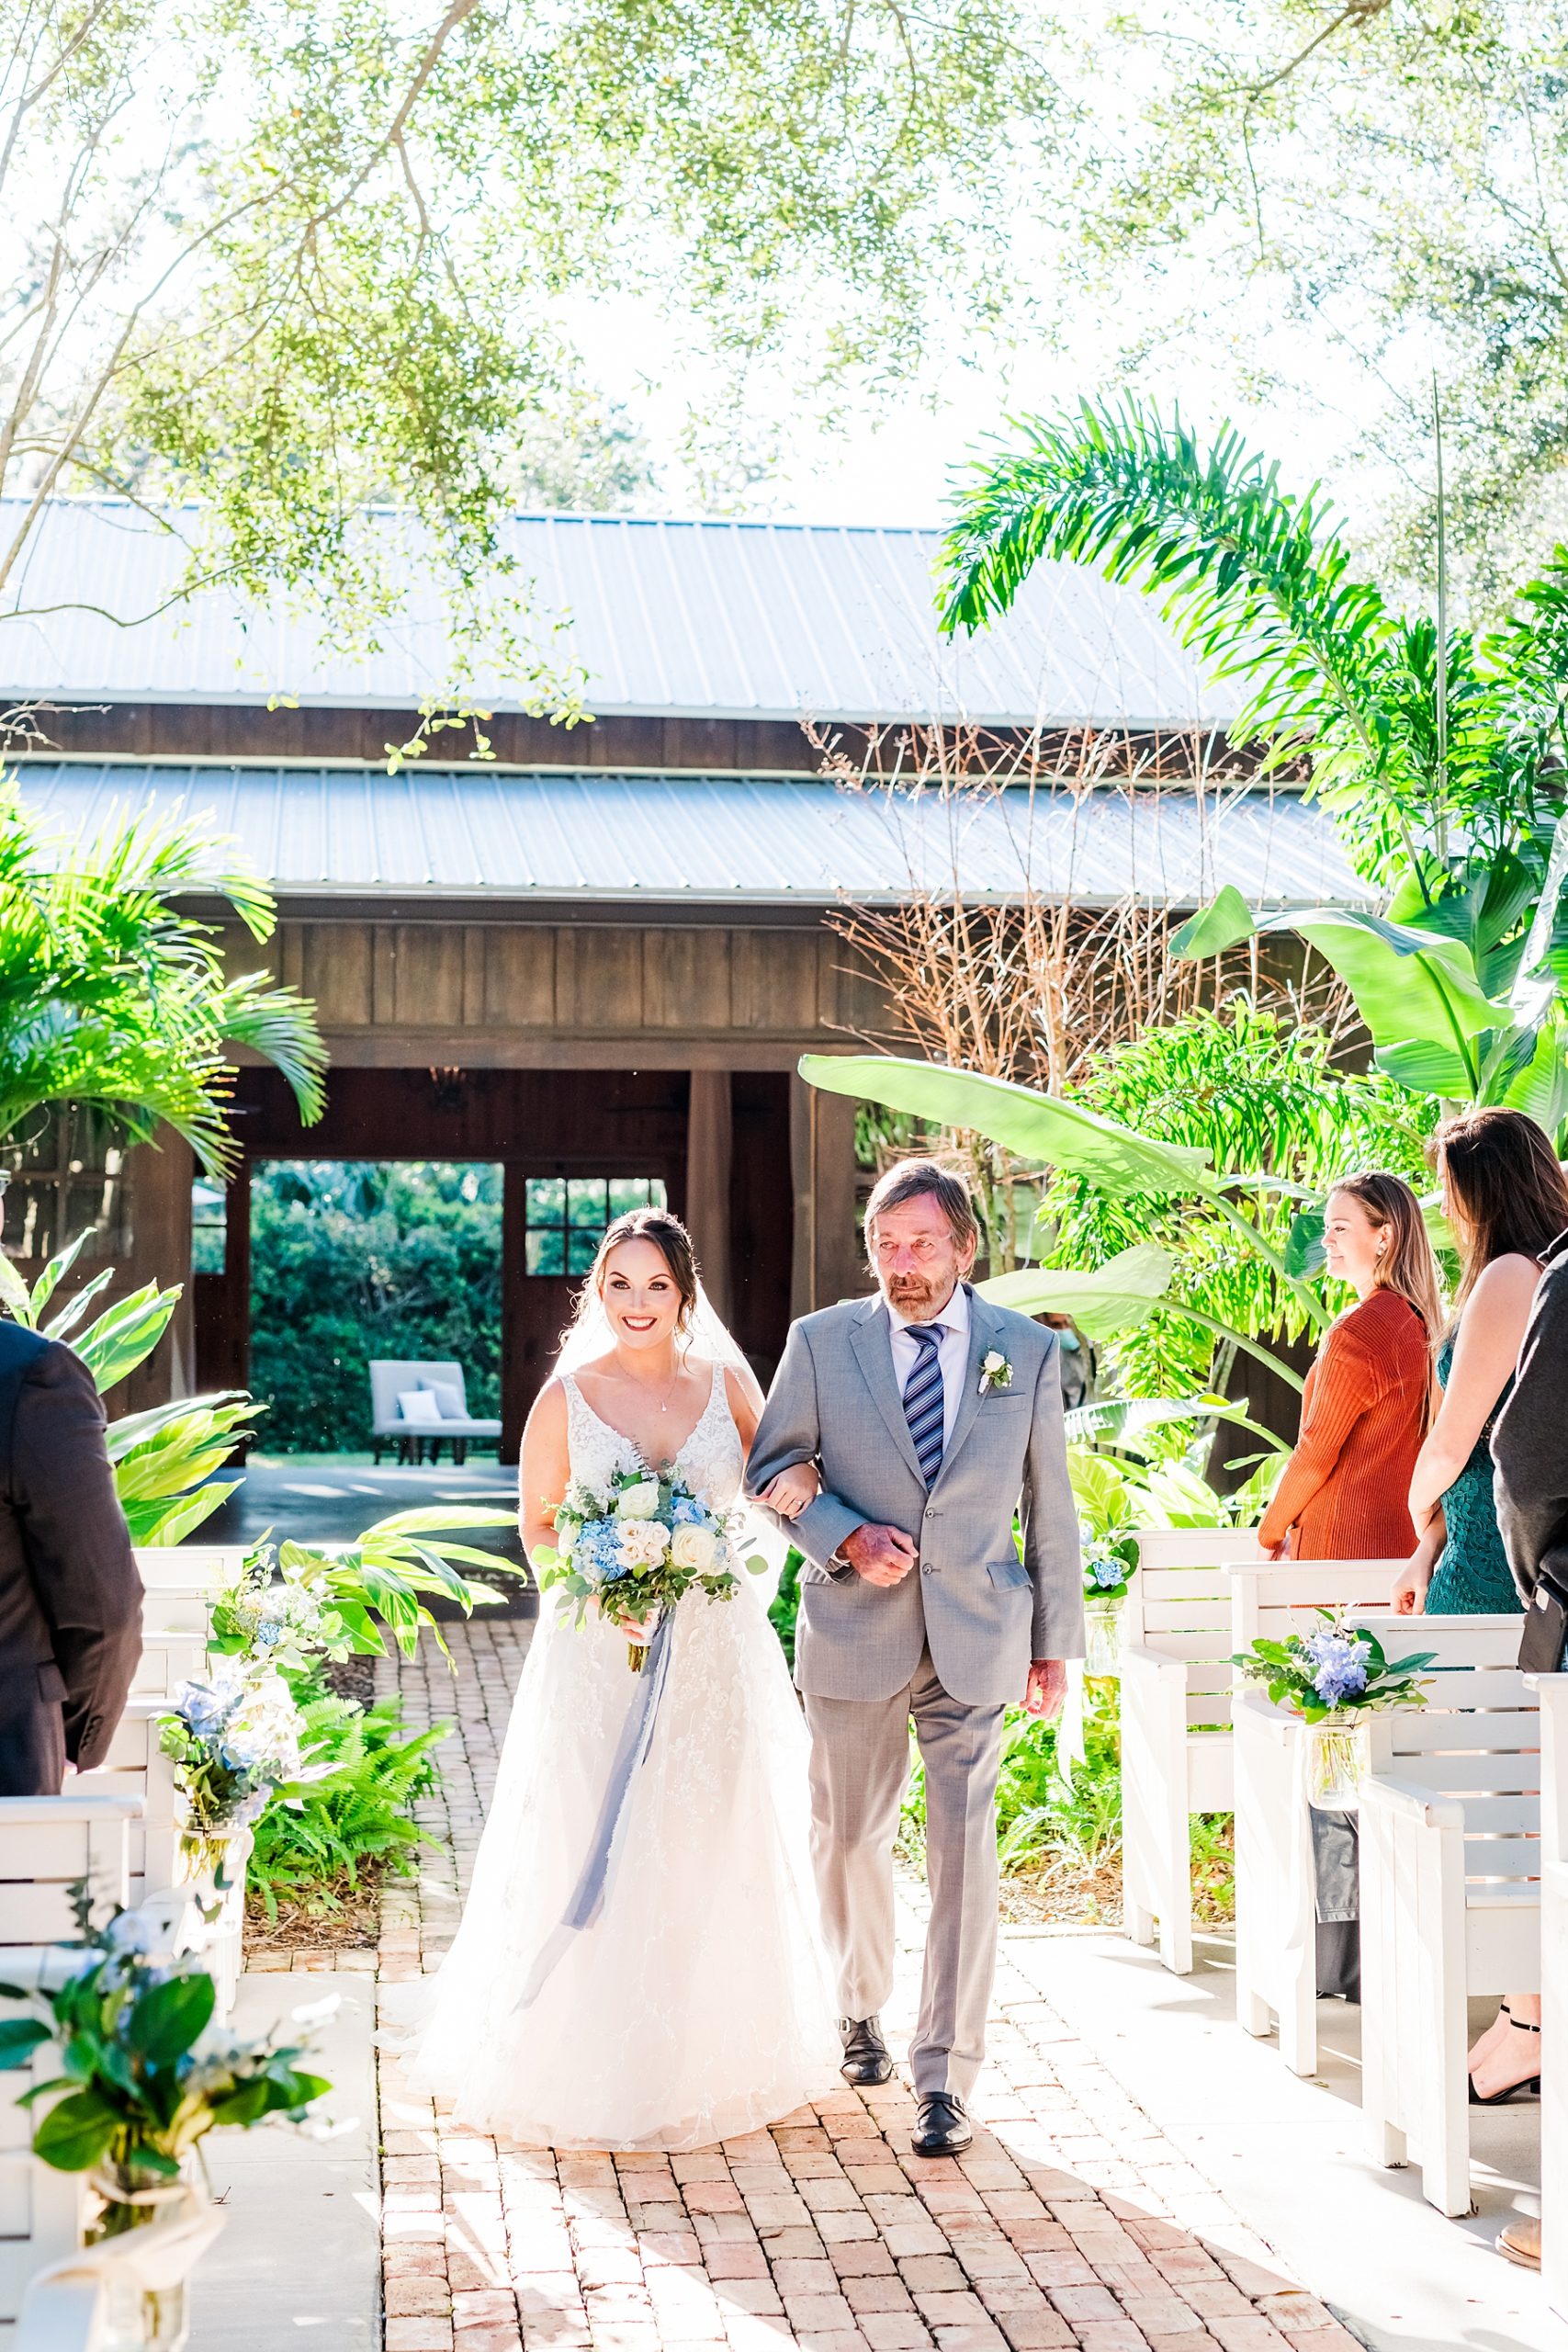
x=1337 y=1669
x=634 y=1549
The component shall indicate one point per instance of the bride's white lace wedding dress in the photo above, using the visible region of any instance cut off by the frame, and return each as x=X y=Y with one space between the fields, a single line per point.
x=697 y=2005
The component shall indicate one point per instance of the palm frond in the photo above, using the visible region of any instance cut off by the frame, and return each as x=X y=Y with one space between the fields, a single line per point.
x=1254 y=579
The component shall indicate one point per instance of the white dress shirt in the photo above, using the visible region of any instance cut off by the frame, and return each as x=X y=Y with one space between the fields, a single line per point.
x=952 y=1354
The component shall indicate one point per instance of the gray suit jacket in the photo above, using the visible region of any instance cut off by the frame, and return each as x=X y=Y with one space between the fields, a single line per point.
x=983 y=1612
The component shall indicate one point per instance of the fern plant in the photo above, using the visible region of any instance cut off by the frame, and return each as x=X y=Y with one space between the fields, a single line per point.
x=353 y=1824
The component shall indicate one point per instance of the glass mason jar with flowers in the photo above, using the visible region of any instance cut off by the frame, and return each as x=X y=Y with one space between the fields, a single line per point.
x=1334 y=1678
x=1109 y=1564
x=143 y=2076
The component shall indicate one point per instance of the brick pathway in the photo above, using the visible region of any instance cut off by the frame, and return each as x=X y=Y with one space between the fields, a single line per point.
x=1072 y=2221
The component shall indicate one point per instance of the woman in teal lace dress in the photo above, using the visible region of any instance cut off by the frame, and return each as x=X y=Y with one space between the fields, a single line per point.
x=1505 y=1198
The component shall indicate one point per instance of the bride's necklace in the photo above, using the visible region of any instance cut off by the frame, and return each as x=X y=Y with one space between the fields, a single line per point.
x=673 y=1384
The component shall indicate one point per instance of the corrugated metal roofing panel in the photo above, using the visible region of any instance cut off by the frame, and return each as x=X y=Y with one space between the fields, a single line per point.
x=708 y=619
x=477 y=832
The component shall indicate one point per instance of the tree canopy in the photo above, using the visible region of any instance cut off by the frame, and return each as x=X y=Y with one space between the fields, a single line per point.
x=288 y=259
x=1398 y=177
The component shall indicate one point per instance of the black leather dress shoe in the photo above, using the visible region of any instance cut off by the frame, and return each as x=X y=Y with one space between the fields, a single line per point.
x=943 y=2129
x=865 y=2053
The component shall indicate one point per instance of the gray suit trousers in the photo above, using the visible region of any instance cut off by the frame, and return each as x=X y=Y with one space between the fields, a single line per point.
x=860 y=1764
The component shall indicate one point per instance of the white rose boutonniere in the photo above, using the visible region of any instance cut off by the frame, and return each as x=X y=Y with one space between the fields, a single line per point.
x=995 y=1372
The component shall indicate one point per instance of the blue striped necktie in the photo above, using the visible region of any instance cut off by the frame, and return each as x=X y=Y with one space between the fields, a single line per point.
x=924 y=1401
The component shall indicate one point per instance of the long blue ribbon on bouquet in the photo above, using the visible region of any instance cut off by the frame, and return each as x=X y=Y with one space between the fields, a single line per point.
x=609 y=1831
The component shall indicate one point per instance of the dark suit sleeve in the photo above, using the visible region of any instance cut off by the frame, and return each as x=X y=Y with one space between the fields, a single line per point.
x=77 y=1547
x=1528 y=1443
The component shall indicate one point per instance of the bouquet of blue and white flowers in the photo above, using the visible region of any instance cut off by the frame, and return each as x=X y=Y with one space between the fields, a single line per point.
x=234 y=1739
x=634 y=1549
x=1335 y=1670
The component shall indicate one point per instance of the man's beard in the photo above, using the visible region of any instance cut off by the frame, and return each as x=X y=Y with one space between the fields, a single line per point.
x=911 y=1294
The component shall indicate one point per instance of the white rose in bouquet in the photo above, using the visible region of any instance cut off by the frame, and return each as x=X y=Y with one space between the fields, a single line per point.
x=638 y=1502
x=694 y=1547
x=643 y=1543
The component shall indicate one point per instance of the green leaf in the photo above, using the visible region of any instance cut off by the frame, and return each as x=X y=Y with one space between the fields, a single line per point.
x=126 y=1334
x=1408 y=983
x=1038 y=1126
x=20 y=2037
x=1102 y=1300
x=54 y=1273
x=1427 y=1068
x=1304 y=1245
x=76 y=2133
x=1225 y=922
x=166 y=2020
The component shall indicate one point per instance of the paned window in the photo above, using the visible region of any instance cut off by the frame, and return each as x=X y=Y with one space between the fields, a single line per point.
x=565 y=1216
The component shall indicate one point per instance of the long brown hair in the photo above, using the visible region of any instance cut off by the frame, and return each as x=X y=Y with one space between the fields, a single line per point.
x=1408 y=1264
x=1507 y=1185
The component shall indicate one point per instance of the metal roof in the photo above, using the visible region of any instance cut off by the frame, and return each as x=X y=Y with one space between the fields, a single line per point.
x=482 y=833
x=709 y=619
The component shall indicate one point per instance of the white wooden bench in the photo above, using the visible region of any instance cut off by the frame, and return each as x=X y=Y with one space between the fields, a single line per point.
x=1176 y=1681
x=178 y=1584
x=1450 y=1889
x=1552 y=1693
x=137 y=1767
x=45 y=1843
x=1276 y=1909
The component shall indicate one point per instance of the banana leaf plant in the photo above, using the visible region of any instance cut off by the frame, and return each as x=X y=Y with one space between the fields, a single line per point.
x=1443 y=752
x=164 y=1458
x=297 y=1603
x=1050 y=1131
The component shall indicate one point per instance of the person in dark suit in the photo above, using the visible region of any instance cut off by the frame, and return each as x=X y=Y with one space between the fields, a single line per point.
x=70 y=1592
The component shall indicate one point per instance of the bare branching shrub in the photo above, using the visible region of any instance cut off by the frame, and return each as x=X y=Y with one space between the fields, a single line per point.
x=1045 y=875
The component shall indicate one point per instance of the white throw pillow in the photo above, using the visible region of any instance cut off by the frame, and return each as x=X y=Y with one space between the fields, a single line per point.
x=419 y=1404
x=449 y=1398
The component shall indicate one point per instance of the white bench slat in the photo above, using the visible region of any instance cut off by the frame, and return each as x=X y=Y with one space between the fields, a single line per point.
x=213 y=1565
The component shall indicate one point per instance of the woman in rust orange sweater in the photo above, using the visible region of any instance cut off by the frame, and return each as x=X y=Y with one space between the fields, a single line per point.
x=1343 y=1496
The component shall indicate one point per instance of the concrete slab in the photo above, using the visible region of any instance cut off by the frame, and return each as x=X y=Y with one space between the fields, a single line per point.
x=299 y=2259
x=1290 y=2155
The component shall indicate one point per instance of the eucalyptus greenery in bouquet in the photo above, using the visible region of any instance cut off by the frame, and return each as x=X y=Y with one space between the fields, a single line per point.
x=1337 y=1669
x=144 y=2076
x=634 y=1549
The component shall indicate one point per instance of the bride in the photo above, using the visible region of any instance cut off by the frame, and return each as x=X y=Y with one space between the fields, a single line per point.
x=696 y=2006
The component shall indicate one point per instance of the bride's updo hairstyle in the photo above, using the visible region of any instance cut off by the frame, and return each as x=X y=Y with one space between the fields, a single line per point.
x=671 y=1240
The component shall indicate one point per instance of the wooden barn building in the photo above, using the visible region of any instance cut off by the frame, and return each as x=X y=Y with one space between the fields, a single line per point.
x=601 y=955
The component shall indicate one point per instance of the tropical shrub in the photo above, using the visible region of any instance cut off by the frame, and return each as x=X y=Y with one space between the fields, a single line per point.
x=164 y=1458
x=109 y=996
x=351 y=1261
x=1442 y=752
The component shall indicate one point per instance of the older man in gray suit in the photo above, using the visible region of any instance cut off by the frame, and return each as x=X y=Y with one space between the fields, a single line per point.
x=932 y=1418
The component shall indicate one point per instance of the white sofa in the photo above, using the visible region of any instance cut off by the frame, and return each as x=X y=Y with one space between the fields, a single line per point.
x=391 y=1380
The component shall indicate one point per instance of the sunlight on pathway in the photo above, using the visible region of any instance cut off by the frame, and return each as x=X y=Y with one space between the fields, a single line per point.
x=1072 y=2221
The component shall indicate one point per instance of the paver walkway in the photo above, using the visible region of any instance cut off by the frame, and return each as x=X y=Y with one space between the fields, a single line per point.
x=1072 y=2221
